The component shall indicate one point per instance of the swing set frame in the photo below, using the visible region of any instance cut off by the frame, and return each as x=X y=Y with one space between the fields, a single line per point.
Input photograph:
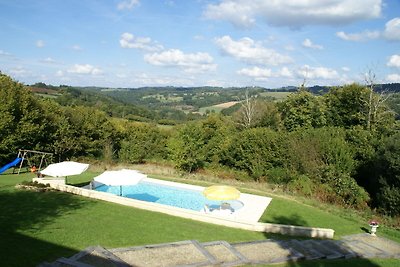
x=26 y=155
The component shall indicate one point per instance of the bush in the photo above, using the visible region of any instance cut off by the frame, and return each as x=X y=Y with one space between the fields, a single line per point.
x=185 y=148
x=388 y=200
x=382 y=176
x=255 y=151
x=143 y=141
x=279 y=176
x=303 y=185
x=344 y=188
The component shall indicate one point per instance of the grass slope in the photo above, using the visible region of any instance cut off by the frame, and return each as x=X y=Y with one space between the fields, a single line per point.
x=42 y=226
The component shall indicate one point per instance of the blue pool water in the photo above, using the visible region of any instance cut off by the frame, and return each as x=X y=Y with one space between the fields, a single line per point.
x=167 y=195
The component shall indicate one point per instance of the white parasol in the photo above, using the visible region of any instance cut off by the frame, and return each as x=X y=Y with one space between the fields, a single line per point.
x=120 y=178
x=64 y=169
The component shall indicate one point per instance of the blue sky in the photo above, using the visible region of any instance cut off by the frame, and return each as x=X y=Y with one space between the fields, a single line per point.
x=135 y=43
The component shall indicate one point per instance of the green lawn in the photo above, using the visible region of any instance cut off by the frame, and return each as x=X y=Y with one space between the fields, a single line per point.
x=285 y=211
x=38 y=227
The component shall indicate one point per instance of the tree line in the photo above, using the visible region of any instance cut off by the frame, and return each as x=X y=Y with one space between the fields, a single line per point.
x=341 y=147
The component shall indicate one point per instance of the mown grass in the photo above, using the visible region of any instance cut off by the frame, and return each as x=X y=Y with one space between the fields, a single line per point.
x=43 y=226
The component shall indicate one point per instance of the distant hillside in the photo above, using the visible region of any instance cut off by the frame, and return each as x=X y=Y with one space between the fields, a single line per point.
x=82 y=96
x=168 y=104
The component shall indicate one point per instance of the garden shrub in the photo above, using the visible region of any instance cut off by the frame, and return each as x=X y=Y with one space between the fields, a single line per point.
x=143 y=141
x=388 y=200
x=382 y=176
x=344 y=188
x=279 y=175
x=186 y=146
x=303 y=185
x=255 y=151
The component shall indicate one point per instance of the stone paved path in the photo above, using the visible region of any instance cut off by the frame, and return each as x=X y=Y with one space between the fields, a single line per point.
x=222 y=253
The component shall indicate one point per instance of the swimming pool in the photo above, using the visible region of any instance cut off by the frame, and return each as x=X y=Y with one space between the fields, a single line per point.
x=167 y=195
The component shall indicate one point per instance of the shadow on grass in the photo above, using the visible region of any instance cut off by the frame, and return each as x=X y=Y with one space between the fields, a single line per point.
x=22 y=250
x=365 y=230
x=289 y=220
x=22 y=211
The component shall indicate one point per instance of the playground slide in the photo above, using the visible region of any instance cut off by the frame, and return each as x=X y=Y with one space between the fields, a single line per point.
x=9 y=165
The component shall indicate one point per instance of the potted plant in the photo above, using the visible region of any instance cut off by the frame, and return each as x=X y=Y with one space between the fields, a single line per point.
x=374 y=225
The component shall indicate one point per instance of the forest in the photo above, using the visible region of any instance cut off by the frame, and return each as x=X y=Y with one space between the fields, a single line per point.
x=341 y=146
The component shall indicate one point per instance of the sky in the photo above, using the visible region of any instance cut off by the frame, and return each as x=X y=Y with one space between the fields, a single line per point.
x=136 y=43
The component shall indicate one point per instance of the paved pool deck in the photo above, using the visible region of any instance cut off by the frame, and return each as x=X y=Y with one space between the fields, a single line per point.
x=252 y=210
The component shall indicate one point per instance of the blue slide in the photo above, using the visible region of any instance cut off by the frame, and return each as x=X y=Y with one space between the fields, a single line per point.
x=9 y=165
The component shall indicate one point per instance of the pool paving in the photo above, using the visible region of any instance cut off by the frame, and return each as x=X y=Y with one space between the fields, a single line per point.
x=222 y=253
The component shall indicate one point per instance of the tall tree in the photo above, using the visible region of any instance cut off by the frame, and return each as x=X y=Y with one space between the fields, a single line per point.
x=302 y=110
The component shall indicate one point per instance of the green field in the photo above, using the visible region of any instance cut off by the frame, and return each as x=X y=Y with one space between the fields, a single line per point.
x=165 y=99
x=279 y=96
x=214 y=108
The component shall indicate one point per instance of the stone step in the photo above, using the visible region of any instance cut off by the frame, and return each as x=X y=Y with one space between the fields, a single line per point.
x=338 y=246
x=184 y=253
x=267 y=251
x=91 y=256
x=321 y=248
x=221 y=253
x=98 y=256
x=364 y=250
x=309 y=253
x=390 y=248
x=224 y=253
x=65 y=262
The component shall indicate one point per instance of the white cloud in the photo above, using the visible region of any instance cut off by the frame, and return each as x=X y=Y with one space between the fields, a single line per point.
x=394 y=61
x=392 y=30
x=391 y=33
x=39 y=43
x=3 y=53
x=261 y=74
x=76 y=48
x=59 y=73
x=346 y=69
x=128 y=4
x=256 y=72
x=198 y=37
x=85 y=69
x=358 y=37
x=295 y=14
x=393 y=78
x=317 y=73
x=20 y=72
x=252 y=52
x=128 y=40
x=48 y=60
x=146 y=79
x=289 y=48
x=192 y=63
x=285 y=72
x=309 y=44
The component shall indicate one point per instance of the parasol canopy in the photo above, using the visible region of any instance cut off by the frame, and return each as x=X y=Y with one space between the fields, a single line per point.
x=65 y=168
x=121 y=177
x=221 y=192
